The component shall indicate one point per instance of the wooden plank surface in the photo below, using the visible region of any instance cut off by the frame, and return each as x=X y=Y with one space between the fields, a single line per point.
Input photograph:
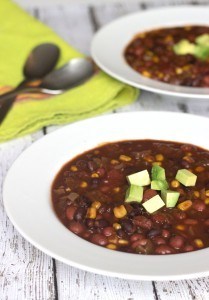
x=27 y=273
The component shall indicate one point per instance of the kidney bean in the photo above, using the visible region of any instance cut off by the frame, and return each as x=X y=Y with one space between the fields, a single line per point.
x=190 y=221
x=127 y=226
x=70 y=211
x=165 y=233
x=198 y=205
x=79 y=214
x=149 y=194
x=164 y=249
x=180 y=215
x=101 y=172
x=76 y=227
x=177 y=242
x=99 y=239
x=115 y=175
x=159 y=240
x=137 y=243
x=154 y=232
x=137 y=236
x=143 y=222
x=159 y=218
x=108 y=231
x=206 y=222
x=188 y=248
x=101 y=223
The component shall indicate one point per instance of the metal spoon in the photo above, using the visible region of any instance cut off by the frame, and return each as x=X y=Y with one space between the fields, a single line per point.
x=40 y=62
x=75 y=72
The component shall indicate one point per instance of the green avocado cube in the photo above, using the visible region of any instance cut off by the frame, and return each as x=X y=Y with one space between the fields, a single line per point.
x=134 y=193
x=202 y=51
x=203 y=39
x=170 y=197
x=158 y=173
x=184 y=47
x=140 y=178
x=153 y=204
x=186 y=177
x=159 y=185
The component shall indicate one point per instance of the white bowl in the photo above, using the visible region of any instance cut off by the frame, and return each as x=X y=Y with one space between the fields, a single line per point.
x=110 y=42
x=28 y=203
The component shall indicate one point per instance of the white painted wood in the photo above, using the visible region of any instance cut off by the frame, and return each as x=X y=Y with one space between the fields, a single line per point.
x=26 y=272
x=41 y=3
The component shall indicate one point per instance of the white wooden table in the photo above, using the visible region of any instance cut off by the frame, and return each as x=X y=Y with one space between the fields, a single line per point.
x=27 y=273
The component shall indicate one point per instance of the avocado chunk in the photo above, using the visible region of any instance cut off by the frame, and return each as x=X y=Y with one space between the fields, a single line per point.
x=158 y=173
x=159 y=185
x=186 y=177
x=153 y=204
x=184 y=47
x=140 y=178
x=134 y=193
x=170 y=197
x=201 y=51
x=203 y=39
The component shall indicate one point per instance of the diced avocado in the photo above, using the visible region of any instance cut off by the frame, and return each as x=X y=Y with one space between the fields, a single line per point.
x=201 y=51
x=170 y=197
x=134 y=193
x=140 y=178
x=159 y=185
x=184 y=47
x=203 y=39
x=158 y=173
x=153 y=204
x=186 y=177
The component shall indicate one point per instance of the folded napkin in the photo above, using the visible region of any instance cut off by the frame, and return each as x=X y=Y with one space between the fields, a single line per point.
x=19 y=33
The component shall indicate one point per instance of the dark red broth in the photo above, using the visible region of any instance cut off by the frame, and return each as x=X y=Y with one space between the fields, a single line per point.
x=151 y=54
x=88 y=188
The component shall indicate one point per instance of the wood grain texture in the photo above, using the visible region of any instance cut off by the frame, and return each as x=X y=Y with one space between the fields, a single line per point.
x=27 y=273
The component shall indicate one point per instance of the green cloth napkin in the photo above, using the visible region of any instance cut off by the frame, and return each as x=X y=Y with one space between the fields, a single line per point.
x=19 y=33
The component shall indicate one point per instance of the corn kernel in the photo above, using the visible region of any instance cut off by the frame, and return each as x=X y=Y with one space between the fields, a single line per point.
x=189 y=159
x=185 y=205
x=180 y=227
x=125 y=158
x=160 y=74
x=116 y=226
x=114 y=162
x=198 y=243
x=196 y=194
x=199 y=169
x=179 y=71
x=113 y=240
x=207 y=193
x=155 y=59
x=168 y=38
x=116 y=189
x=111 y=246
x=83 y=184
x=159 y=157
x=188 y=154
x=91 y=213
x=96 y=204
x=74 y=168
x=96 y=152
x=146 y=73
x=206 y=201
x=175 y=183
x=122 y=242
x=68 y=189
x=120 y=211
x=94 y=175
x=157 y=163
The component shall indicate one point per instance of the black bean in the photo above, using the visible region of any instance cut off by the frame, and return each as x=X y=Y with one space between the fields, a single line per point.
x=154 y=232
x=121 y=233
x=101 y=223
x=127 y=226
x=79 y=214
